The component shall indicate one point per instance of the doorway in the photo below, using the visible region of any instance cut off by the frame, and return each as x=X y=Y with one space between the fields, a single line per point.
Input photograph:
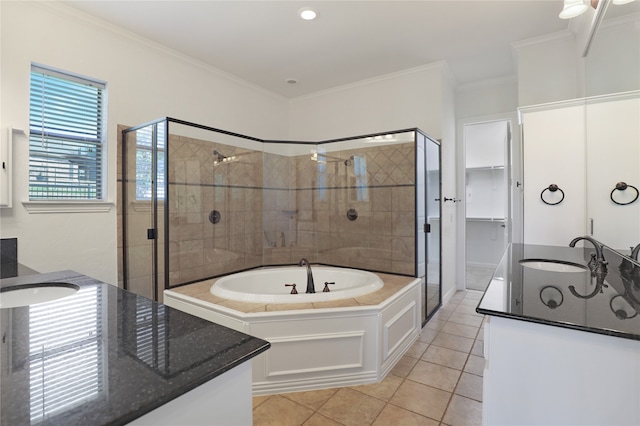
x=490 y=162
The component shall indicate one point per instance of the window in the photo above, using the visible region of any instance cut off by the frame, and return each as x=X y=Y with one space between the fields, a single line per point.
x=145 y=139
x=66 y=136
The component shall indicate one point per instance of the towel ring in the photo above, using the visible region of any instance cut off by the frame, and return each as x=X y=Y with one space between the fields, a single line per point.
x=622 y=186
x=552 y=188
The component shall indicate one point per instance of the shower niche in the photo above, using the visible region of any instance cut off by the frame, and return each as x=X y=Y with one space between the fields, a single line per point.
x=199 y=202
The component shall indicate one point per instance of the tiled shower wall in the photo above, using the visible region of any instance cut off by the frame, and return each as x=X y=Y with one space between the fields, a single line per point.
x=274 y=210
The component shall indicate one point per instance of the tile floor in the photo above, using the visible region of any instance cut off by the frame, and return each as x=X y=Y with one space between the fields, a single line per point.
x=437 y=382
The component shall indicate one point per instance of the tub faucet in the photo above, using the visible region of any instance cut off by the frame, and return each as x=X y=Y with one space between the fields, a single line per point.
x=310 y=286
x=600 y=265
x=634 y=252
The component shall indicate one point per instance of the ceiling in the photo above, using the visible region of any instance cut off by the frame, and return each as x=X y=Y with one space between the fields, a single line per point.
x=266 y=43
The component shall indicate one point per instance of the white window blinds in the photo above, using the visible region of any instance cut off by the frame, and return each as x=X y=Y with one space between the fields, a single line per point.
x=66 y=136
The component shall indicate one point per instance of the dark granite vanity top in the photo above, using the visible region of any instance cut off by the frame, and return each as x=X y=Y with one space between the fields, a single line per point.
x=105 y=355
x=573 y=300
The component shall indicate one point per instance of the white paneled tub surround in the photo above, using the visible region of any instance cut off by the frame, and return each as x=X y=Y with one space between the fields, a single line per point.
x=353 y=342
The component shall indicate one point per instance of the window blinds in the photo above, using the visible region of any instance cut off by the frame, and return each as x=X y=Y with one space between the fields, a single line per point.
x=65 y=136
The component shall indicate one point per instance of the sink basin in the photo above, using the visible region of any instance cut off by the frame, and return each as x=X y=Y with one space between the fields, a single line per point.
x=30 y=294
x=553 y=265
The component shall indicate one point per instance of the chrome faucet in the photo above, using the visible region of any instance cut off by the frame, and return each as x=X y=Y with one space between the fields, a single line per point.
x=600 y=265
x=310 y=286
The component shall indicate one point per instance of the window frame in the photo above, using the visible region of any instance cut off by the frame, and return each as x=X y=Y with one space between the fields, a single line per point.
x=59 y=203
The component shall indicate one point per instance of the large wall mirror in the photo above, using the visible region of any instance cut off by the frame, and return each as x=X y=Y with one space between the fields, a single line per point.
x=612 y=124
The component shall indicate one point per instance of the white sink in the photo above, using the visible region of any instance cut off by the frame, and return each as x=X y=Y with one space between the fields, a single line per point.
x=30 y=294
x=553 y=265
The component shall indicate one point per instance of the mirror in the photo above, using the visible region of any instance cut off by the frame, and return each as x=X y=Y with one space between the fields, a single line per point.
x=612 y=127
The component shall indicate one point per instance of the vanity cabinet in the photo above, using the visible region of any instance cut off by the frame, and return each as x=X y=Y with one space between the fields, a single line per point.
x=585 y=147
x=575 y=361
x=538 y=374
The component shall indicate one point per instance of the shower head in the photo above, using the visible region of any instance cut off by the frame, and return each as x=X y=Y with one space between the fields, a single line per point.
x=218 y=157
x=324 y=158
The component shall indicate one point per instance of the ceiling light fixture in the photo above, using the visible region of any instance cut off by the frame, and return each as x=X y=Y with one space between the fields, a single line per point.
x=308 y=14
x=573 y=8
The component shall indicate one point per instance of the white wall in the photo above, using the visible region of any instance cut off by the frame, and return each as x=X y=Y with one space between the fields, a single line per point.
x=412 y=98
x=145 y=82
x=548 y=69
x=489 y=97
x=613 y=64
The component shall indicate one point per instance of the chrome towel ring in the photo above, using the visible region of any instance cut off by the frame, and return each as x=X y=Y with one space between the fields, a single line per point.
x=622 y=186
x=552 y=188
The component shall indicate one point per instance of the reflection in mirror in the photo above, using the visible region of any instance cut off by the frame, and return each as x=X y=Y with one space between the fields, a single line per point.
x=612 y=126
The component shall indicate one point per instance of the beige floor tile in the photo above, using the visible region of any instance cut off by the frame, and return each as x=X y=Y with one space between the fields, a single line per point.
x=257 y=400
x=434 y=324
x=417 y=349
x=456 y=298
x=470 y=386
x=475 y=295
x=383 y=390
x=320 y=420
x=469 y=302
x=480 y=335
x=435 y=375
x=475 y=365
x=311 y=399
x=478 y=348
x=463 y=412
x=461 y=309
x=280 y=411
x=441 y=315
x=460 y=330
x=392 y=415
x=421 y=399
x=465 y=319
x=350 y=407
x=403 y=366
x=446 y=357
x=451 y=341
x=427 y=335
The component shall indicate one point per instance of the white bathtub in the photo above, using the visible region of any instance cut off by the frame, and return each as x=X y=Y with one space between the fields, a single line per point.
x=268 y=285
x=320 y=347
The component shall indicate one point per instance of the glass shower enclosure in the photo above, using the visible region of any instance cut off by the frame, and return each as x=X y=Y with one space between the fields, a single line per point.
x=199 y=202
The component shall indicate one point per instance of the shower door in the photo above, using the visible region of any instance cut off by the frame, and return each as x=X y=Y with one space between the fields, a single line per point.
x=428 y=222
x=143 y=209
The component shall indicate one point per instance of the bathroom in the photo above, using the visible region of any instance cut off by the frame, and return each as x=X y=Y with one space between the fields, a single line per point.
x=425 y=97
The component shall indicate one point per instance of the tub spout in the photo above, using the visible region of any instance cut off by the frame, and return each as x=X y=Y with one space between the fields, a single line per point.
x=310 y=286
x=634 y=252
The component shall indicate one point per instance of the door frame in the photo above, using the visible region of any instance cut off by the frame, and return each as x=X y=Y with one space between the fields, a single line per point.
x=514 y=179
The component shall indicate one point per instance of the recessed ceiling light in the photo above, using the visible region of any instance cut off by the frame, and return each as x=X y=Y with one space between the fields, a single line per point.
x=307 y=13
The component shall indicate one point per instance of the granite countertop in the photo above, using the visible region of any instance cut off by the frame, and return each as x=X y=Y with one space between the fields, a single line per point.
x=573 y=300
x=105 y=355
